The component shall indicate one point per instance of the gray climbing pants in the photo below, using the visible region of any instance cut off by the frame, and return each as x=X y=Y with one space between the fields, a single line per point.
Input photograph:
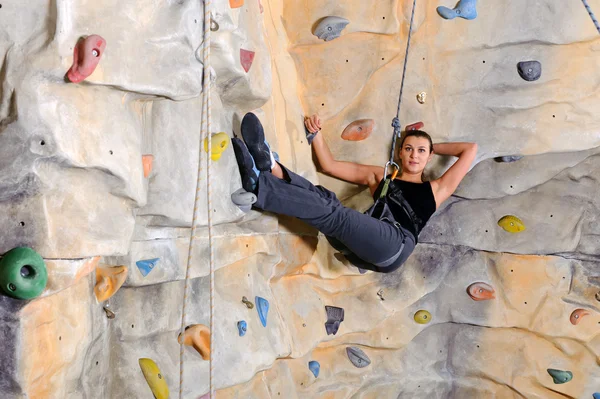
x=367 y=242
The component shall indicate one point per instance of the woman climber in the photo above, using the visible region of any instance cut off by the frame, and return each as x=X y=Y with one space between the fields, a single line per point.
x=380 y=240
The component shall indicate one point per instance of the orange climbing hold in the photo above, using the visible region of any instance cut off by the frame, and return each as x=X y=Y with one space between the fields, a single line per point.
x=236 y=3
x=198 y=337
x=358 y=130
x=108 y=281
x=481 y=291
x=246 y=59
x=147 y=161
x=577 y=315
x=86 y=56
x=414 y=126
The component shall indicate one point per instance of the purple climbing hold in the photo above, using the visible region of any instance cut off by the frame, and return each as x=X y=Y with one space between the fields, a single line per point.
x=335 y=316
x=530 y=70
x=464 y=9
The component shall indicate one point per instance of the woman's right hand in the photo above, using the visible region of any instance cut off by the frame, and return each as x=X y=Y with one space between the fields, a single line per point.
x=312 y=123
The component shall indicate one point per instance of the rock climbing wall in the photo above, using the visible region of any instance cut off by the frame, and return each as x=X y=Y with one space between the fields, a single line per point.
x=99 y=151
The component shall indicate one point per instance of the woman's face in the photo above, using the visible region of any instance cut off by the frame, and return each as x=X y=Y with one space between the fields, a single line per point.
x=415 y=154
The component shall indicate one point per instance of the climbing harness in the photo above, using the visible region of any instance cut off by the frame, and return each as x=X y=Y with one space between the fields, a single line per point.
x=589 y=10
x=205 y=132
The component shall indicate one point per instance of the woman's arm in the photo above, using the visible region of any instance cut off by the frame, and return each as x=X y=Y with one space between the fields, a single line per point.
x=351 y=172
x=445 y=186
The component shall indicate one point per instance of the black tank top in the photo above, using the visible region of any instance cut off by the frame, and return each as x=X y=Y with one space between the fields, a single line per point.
x=418 y=195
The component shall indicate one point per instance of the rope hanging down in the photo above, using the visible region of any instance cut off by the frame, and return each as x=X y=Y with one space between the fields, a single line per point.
x=589 y=10
x=396 y=121
x=204 y=135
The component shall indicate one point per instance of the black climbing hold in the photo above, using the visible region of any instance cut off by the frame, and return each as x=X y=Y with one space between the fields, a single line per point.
x=598 y=296
x=508 y=158
x=530 y=70
x=335 y=316
x=357 y=357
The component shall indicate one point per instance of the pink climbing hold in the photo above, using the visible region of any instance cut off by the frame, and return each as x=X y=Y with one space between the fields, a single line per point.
x=414 y=126
x=481 y=291
x=262 y=9
x=577 y=315
x=246 y=58
x=86 y=56
x=358 y=130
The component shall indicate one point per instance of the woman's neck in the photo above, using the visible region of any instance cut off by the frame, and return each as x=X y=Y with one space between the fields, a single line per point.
x=412 y=178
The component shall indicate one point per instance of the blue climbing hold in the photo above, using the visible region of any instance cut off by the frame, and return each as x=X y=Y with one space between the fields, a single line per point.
x=464 y=9
x=596 y=395
x=315 y=367
x=146 y=266
x=262 y=306
x=242 y=327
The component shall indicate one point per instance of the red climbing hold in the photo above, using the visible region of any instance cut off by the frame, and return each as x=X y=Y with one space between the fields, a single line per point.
x=236 y=3
x=415 y=126
x=358 y=130
x=246 y=58
x=86 y=56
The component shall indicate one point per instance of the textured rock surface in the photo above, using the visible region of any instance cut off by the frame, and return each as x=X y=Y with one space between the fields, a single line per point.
x=73 y=187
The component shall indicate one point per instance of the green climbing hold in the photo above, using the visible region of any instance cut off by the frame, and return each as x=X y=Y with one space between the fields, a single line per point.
x=23 y=273
x=560 y=376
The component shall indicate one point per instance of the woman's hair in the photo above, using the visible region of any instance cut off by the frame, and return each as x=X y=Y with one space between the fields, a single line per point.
x=417 y=133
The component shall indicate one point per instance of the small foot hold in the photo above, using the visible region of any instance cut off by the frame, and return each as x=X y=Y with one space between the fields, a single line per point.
x=242 y=327
x=147 y=162
x=464 y=9
x=481 y=291
x=577 y=315
x=246 y=302
x=314 y=367
x=86 y=56
x=330 y=28
x=508 y=158
x=246 y=59
x=236 y=3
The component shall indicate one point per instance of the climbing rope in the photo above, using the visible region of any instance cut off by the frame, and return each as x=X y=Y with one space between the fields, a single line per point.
x=396 y=121
x=204 y=135
x=589 y=10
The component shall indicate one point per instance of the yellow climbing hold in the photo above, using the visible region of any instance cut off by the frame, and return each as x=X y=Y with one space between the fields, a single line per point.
x=512 y=224
x=154 y=378
x=422 y=317
x=220 y=141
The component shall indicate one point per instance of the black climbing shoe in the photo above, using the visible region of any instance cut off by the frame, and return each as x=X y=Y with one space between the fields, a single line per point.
x=254 y=137
x=248 y=170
